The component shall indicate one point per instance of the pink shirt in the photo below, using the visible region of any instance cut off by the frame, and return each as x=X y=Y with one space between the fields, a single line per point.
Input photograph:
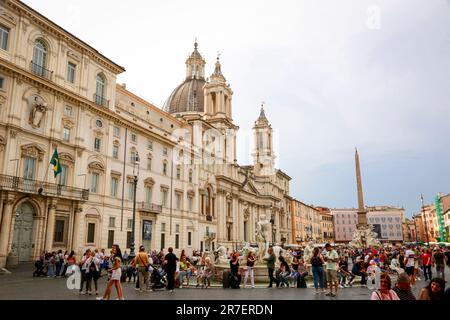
x=377 y=295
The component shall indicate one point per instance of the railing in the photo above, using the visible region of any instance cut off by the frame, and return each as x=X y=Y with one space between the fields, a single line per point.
x=150 y=207
x=42 y=188
x=101 y=101
x=41 y=71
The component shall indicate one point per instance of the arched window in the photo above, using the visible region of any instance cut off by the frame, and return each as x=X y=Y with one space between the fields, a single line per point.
x=39 y=58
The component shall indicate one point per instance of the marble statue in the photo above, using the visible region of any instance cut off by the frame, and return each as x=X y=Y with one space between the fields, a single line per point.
x=222 y=255
x=262 y=236
x=37 y=113
x=308 y=252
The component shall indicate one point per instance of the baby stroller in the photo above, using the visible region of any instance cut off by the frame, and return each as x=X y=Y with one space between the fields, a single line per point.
x=39 y=265
x=158 y=278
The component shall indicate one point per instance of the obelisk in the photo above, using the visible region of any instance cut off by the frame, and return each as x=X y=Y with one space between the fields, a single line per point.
x=362 y=213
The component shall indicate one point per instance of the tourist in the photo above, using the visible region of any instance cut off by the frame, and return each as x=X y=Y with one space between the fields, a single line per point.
x=92 y=272
x=182 y=270
x=170 y=266
x=403 y=287
x=433 y=291
x=83 y=268
x=141 y=263
x=271 y=266
x=331 y=259
x=115 y=259
x=283 y=272
x=302 y=273
x=317 y=263
x=385 y=292
x=59 y=262
x=343 y=272
x=65 y=264
x=116 y=274
x=251 y=260
x=426 y=264
x=409 y=265
x=50 y=259
x=438 y=259
x=360 y=270
x=235 y=275
x=293 y=277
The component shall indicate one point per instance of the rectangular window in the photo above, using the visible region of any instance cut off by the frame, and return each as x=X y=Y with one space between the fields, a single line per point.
x=178 y=173
x=190 y=176
x=163 y=240
x=2 y=82
x=150 y=145
x=68 y=111
x=130 y=191
x=149 y=163
x=63 y=175
x=148 y=194
x=177 y=228
x=177 y=241
x=133 y=138
x=29 y=168
x=165 y=151
x=178 y=201
x=116 y=152
x=129 y=239
x=190 y=204
x=91 y=233
x=164 y=198
x=97 y=144
x=4 y=35
x=117 y=132
x=110 y=238
x=66 y=134
x=165 y=169
x=129 y=223
x=114 y=184
x=94 y=182
x=189 y=238
x=59 y=231
x=163 y=227
x=112 y=222
x=71 y=72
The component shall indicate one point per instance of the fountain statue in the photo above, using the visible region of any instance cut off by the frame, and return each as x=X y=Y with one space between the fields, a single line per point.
x=262 y=236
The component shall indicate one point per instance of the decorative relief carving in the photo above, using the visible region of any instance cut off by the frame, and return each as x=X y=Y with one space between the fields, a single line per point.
x=2 y=143
x=13 y=133
x=33 y=150
x=98 y=133
x=66 y=158
x=67 y=123
x=37 y=113
x=73 y=55
x=148 y=182
x=116 y=174
x=116 y=143
x=96 y=166
x=8 y=17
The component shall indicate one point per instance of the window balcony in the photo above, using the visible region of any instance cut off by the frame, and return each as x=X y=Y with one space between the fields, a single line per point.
x=101 y=101
x=29 y=186
x=150 y=207
x=41 y=71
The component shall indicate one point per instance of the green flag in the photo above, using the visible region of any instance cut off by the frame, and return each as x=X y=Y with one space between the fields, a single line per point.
x=56 y=163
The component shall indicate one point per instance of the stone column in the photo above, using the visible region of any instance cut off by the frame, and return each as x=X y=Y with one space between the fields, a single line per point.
x=5 y=230
x=50 y=225
x=76 y=229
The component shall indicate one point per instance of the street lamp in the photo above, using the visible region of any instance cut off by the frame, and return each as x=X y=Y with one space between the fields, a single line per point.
x=133 y=231
x=425 y=220
x=415 y=231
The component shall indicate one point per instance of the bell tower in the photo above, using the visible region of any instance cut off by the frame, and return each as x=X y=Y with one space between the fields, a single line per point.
x=263 y=155
x=217 y=96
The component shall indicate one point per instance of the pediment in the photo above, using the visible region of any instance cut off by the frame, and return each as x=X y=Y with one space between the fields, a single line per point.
x=250 y=188
x=149 y=181
x=32 y=150
x=64 y=156
x=96 y=166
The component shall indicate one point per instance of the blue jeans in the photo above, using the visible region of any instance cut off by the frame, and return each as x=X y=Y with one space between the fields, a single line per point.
x=318 y=276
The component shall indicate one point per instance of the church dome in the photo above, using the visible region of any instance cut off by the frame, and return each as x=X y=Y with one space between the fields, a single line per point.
x=187 y=97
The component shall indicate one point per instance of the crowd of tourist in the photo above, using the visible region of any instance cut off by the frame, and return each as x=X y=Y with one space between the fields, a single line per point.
x=331 y=268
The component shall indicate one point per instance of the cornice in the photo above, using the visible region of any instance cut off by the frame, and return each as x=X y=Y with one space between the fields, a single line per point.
x=23 y=10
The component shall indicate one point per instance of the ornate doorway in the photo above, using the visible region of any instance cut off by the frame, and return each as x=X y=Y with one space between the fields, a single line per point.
x=22 y=244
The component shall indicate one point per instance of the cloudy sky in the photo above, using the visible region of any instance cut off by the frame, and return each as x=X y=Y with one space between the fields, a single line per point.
x=334 y=75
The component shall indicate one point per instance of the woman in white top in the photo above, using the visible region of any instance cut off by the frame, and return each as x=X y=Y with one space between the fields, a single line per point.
x=385 y=292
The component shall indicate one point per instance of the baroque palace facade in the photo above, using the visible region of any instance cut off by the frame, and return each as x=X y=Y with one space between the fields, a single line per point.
x=58 y=92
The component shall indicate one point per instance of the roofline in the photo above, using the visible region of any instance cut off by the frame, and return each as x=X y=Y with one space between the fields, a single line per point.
x=150 y=105
x=24 y=6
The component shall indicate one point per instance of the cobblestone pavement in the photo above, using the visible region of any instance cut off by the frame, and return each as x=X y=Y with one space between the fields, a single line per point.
x=21 y=285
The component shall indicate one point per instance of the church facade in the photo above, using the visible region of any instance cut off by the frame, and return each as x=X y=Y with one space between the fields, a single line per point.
x=57 y=92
